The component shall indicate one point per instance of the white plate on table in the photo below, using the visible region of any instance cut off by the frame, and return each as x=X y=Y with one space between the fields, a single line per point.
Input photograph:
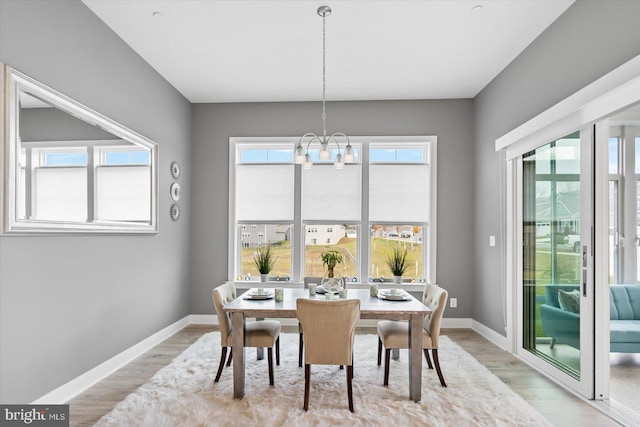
x=259 y=296
x=322 y=290
x=397 y=297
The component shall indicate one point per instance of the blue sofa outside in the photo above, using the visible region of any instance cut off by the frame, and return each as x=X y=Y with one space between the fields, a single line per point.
x=564 y=326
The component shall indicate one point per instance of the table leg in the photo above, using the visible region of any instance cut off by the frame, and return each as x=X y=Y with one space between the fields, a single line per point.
x=237 y=326
x=259 y=350
x=415 y=357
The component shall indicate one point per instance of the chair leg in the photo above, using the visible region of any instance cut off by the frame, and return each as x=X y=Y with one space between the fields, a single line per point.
x=307 y=380
x=379 y=351
x=349 y=389
x=353 y=362
x=434 y=352
x=300 y=352
x=387 y=357
x=270 y=356
x=278 y=351
x=426 y=355
x=230 y=357
x=223 y=356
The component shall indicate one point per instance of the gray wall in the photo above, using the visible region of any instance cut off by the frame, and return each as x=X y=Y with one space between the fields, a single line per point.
x=450 y=120
x=68 y=303
x=52 y=124
x=590 y=39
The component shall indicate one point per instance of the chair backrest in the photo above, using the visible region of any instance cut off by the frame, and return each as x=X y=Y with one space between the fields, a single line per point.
x=222 y=295
x=625 y=302
x=435 y=298
x=316 y=280
x=328 y=328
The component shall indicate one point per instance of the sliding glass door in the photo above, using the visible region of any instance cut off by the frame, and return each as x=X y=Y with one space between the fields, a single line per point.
x=619 y=367
x=557 y=260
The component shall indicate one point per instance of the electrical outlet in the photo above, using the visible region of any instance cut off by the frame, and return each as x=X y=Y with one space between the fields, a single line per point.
x=453 y=302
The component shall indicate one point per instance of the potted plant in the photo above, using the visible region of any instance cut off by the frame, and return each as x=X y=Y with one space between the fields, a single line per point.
x=331 y=259
x=397 y=261
x=264 y=260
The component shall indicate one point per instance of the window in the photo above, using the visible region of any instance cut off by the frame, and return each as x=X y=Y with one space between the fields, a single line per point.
x=341 y=238
x=385 y=238
x=65 y=158
x=624 y=216
x=276 y=236
x=389 y=190
x=59 y=181
x=122 y=178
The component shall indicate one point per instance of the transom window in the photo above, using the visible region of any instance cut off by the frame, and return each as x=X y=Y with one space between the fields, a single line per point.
x=384 y=200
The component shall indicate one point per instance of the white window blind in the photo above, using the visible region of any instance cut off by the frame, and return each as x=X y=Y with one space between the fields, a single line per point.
x=61 y=194
x=331 y=195
x=399 y=193
x=265 y=192
x=123 y=193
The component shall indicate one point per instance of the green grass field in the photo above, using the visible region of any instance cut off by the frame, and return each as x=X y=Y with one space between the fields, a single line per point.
x=348 y=248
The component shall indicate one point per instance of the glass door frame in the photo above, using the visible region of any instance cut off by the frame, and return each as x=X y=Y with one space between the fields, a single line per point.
x=583 y=385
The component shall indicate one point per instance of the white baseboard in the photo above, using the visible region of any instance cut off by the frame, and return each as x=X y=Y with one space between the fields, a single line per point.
x=203 y=319
x=489 y=334
x=456 y=323
x=67 y=391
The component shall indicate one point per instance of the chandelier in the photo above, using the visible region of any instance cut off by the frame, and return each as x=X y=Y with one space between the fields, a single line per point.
x=302 y=155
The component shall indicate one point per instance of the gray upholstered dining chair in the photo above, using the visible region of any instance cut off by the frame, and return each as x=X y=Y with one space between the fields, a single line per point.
x=329 y=328
x=261 y=333
x=392 y=334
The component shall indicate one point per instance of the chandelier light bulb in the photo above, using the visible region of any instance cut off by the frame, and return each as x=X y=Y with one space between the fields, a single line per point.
x=299 y=156
x=349 y=156
x=308 y=164
x=324 y=151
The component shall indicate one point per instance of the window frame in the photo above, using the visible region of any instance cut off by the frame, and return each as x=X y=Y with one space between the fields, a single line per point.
x=298 y=234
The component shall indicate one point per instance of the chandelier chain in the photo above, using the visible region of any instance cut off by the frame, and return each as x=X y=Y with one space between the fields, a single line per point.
x=324 y=84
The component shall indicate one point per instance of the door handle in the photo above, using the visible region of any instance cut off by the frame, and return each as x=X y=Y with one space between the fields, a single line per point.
x=584 y=270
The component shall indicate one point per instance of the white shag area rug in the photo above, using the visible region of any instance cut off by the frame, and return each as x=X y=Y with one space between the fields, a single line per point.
x=184 y=394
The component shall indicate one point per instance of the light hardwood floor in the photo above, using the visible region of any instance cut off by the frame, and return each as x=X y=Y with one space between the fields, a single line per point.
x=557 y=405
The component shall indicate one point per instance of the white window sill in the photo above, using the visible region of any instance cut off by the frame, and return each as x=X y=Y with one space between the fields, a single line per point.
x=248 y=284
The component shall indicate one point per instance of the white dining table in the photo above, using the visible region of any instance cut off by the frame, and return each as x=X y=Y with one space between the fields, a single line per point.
x=371 y=307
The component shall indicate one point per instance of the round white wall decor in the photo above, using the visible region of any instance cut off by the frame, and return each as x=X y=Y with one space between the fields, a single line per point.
x=175 y=190
x=174 y=212
x=175 y=170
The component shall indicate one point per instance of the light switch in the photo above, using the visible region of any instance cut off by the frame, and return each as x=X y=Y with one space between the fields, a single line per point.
x=492 y=240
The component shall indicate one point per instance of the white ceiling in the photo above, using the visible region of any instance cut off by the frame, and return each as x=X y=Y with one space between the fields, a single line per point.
x=253 y=51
